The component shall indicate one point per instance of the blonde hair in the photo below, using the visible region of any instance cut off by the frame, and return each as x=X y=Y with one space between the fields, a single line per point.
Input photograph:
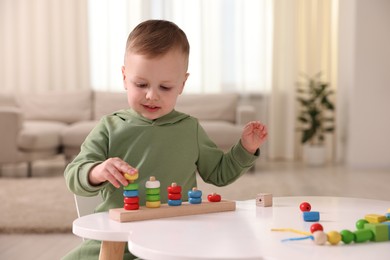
x=154 y=38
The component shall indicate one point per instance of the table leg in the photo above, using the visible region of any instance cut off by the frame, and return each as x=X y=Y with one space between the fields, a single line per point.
x=110 y=250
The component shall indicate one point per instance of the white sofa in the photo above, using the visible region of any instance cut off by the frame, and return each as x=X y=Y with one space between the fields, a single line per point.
x=37 y=126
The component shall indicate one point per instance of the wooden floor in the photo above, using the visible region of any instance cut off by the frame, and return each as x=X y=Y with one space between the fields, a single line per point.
x=280 y=179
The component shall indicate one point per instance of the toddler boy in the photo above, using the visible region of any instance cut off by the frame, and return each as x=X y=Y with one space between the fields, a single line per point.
x=151 y=136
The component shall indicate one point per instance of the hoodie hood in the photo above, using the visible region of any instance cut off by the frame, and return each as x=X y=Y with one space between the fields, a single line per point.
x=131 y=116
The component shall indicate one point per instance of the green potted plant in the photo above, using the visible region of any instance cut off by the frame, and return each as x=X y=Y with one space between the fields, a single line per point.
x=315 y=117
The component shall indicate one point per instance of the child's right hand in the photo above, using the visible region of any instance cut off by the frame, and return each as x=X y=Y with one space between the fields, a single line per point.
x=111 y=170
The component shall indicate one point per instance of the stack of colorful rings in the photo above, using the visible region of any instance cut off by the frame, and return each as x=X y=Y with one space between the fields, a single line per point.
x=153 y=193
x=130 y=192
x=174 y=195
x=195 y=196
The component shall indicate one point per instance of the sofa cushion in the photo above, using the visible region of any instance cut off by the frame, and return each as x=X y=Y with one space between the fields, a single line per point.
x=40 y=135
x=66 y=106
x=209 y=107
x=75 y=134
x=223 y=133
x=106 y=103
x=8 y=100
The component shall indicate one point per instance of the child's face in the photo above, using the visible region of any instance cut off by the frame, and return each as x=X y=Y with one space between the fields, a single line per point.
x=153 y=84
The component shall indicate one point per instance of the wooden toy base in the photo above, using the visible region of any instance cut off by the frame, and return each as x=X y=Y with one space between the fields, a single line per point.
x=165 y=211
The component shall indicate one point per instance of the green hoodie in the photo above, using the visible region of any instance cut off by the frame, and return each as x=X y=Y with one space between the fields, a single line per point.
x=171 y=148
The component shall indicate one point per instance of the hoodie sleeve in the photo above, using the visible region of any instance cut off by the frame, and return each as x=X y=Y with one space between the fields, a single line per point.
x=219 y=168
x=93 y=151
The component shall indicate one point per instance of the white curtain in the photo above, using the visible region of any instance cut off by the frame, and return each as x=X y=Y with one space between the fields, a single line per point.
x=43 y=45
x=305 y=41
x=250 y=46
x=231 y=41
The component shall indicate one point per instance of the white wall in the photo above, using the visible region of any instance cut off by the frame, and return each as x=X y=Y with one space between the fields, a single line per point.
x=368 y=133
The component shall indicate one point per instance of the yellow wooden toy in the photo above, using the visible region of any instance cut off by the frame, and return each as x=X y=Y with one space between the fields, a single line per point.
x=131 y=177
x=375 y=218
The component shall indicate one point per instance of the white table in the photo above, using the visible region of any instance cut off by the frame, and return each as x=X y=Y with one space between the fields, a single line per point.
x=241 y=234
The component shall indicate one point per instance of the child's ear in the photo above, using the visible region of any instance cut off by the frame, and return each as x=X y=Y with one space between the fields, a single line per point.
x=123 y=73
x=184 y=82
x=124 y=76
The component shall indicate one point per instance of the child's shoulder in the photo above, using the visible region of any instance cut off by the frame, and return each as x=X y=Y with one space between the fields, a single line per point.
x=185 y=116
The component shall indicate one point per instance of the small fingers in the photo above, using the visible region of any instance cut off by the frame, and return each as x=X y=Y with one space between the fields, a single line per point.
x=257 y=125
x=114 y=176
x=116 y=168
x=264 y=130
x=113 y=180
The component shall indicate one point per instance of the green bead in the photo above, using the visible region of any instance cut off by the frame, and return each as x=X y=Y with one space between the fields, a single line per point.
x=360 y=223
x=131 y=186
x=363 y=235
x=380 y=231
x=347 y=236
x=153 y=197
x=152 y=191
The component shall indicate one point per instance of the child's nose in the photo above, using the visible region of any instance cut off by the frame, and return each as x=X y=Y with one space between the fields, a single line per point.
x=152 y=94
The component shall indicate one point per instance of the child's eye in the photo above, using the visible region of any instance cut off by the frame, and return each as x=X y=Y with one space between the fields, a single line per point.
x=165 y=88
x=141 y=85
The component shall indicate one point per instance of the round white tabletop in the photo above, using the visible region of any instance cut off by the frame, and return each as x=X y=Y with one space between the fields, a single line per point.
x=244 y=233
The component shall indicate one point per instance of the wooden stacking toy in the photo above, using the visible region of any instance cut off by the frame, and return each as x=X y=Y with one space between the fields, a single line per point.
x=151 y=211
x=174 y=195
x=153 y=199
x=130 y=192
x=195 y=196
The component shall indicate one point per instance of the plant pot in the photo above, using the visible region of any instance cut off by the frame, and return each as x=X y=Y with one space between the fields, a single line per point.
x=314 y=155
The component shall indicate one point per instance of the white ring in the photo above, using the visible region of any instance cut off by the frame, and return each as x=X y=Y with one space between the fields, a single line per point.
x=152 y=184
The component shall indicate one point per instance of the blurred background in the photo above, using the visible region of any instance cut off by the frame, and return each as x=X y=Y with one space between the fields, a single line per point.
x=258 y=48
x=267 y=51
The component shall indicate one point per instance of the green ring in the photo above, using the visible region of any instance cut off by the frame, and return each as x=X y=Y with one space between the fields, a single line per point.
x=153 y=197
x=152 y=191
x=131 y=186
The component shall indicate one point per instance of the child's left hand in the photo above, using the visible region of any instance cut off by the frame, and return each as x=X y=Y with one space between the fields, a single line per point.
x=253 y=136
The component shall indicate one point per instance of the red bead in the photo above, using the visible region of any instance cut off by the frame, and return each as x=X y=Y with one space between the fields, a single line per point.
x=316 y=227
x=305 y=206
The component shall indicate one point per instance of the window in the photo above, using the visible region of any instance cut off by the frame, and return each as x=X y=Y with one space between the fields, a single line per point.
x=231 y=41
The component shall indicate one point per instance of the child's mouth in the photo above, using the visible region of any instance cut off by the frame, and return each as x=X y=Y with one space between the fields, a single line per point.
x=151 y=108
